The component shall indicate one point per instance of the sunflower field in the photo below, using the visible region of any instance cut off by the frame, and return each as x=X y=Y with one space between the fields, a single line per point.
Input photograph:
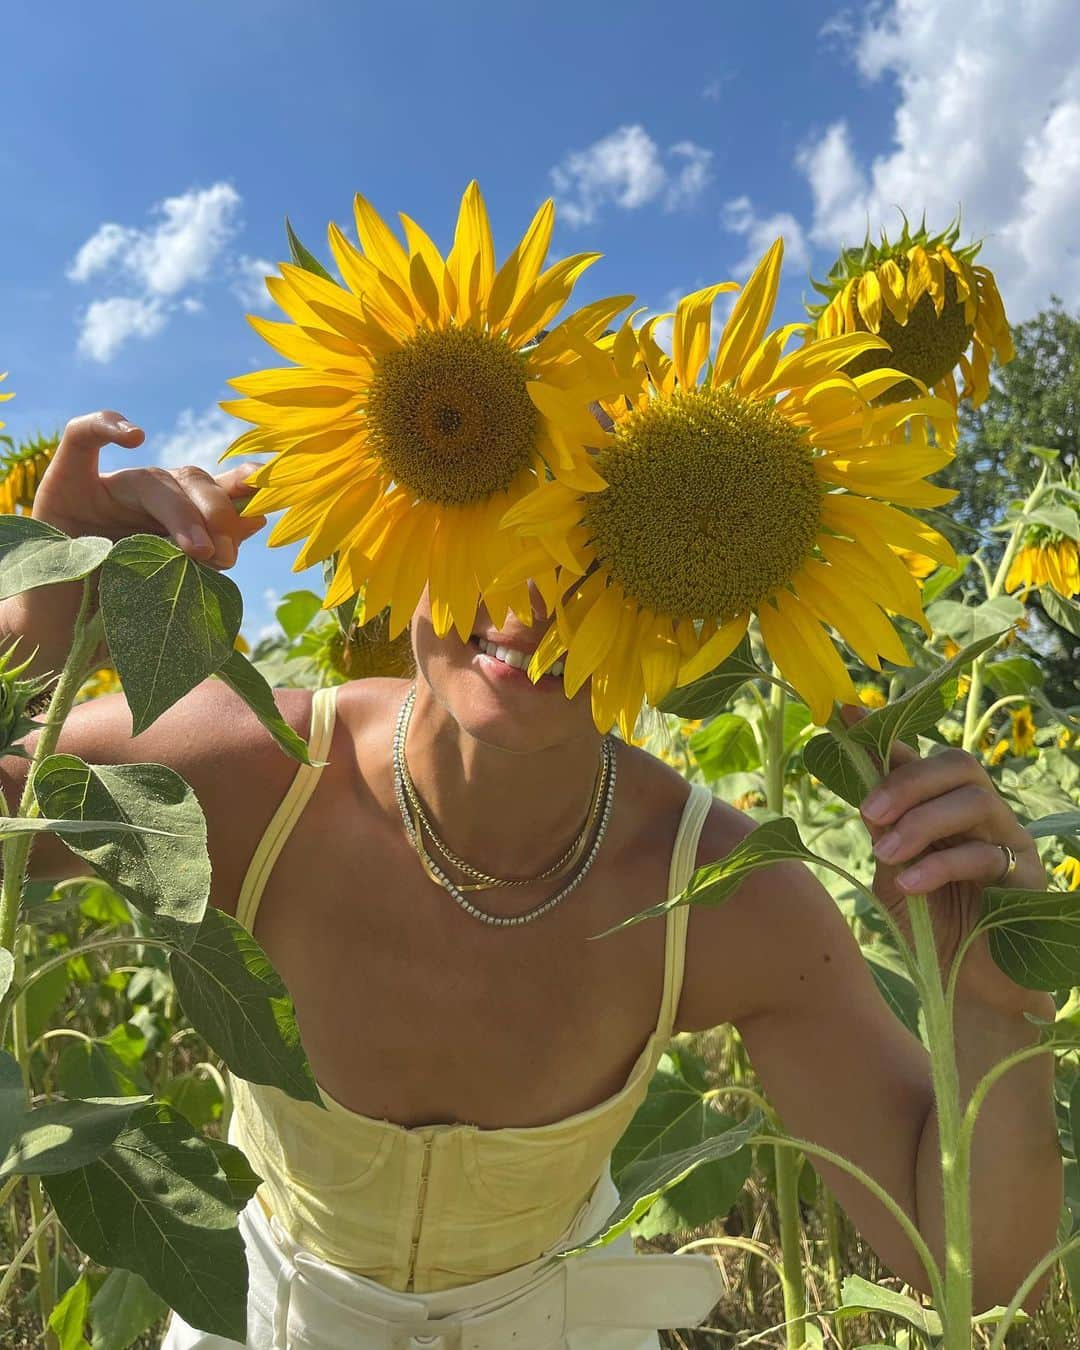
x=718 y=619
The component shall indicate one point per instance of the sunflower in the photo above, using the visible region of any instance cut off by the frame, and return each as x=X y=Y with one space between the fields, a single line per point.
x=104 y=680
x=870 y=696
x=934 y=306
x=1069 y=869
x=22 y=469
x=421 y=406
x=998 y=752
x=1046 y=560
x=1022 y=735
x=368 y=650
x=762 y=491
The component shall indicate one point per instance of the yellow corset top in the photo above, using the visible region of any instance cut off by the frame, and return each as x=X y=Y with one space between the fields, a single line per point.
x=435 y=1207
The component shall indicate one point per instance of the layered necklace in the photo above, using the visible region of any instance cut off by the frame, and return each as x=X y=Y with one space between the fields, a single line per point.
x=580 y=855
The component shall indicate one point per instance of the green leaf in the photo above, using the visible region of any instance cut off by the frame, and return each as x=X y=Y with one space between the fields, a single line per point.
x=1063 y=519
x=1060 y=825
x=725 y=745
x=943 y=579
x=712 y=693
x=170 y=622
x=301 y=257
x=244 y=679
x=643 y=1182
x=296 y=610
x=243 y=1181
x=1013 y=675
x=715 y=882
x=70 y=829
x=859 y=1295
x=98 y=901
x=122 y=1309
x=108 y=1066
x=157 y=1203
x=1034 y=936
x=676 y=1115
x=35 y=554
x=195 y=1096
x=894 y=984
x=824 y=757
x=165 y=876
x=12 y=1100
x=43 y=998
x=238 y=1002
x=921 y=708
x=62 y=1135
x=1065 y=613
x=967 y=623
x=7 y=970
x=68 y=1317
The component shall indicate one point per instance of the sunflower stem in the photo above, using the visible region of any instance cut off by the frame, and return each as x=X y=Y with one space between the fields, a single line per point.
x=774 y=742
x=792 y=1282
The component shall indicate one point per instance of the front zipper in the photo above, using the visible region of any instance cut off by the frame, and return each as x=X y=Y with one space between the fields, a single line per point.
x=418 y=1219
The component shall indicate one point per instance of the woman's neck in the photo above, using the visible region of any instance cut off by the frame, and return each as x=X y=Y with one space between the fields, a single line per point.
x=510 y=813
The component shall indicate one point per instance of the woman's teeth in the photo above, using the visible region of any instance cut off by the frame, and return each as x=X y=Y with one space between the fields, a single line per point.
x=511 y=656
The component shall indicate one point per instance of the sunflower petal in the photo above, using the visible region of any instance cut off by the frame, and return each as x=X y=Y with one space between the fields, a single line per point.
x=750 y=316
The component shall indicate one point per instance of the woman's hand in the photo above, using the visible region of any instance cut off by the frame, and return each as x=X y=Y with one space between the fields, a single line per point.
x=196 y=509
x=937 y=825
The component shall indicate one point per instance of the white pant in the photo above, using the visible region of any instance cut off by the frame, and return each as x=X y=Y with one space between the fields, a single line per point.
x=605 y=1299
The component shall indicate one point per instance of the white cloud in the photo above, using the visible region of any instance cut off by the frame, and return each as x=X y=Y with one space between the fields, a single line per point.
x=714 y=88
x=199 y=438
x=152 y=266
x=249 y=285
x=988 y=118
x=108 y=324
x=739 y=217
x=626 y=169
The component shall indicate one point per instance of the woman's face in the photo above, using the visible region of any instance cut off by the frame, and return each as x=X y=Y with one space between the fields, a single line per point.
x=491 y=700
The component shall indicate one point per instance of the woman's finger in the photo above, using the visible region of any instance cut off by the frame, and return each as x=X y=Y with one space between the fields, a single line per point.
x=157 y=494
x=967 y=810
x=921 y=780
x=226 y=527
x=983 y=864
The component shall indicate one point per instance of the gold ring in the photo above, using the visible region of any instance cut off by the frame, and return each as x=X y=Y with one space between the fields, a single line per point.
x=1010 y=864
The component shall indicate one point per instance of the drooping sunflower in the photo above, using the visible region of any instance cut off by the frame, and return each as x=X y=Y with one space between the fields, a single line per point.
x=1022 y=735
x=1046 y=559
x=1069 y=870
x=22 y=469
x=769 y=489
x=418 y=411
x=935 y=307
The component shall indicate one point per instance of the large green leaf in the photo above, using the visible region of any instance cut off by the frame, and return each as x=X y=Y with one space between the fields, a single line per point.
x=712 y=693
x=238 y=1002
x=968 y=623
x=894 y=984
x=644 y=1182
x=1013 y=675
x=858 y=1295
x=295 y=611
x=920 y=708
x=675 y=1115
x=35 y=554
x=243 y=1181
x=1065 y=613
x=62 y=1135
x=715 y=882
x=157 y=1203
x=242 y=677
x=122 y=1309
x=944 y=579
x=1034 y=936
x=196 y=1097
x=725 y=745
x=165 y=876
x=1062 y=825
x=825 y=758
x=170 y=622
x=104 y=1066
x=68 y=1317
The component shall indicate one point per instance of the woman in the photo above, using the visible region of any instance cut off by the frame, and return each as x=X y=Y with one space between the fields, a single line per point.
x=477 y=1078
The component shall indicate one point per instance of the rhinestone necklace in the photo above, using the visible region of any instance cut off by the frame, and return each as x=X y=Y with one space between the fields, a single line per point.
x=434 y=871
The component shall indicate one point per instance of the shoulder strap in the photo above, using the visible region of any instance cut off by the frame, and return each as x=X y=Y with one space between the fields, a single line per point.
x=323 y=710
x=683 y=857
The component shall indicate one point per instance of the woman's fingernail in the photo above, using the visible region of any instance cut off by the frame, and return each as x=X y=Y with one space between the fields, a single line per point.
x=124 y=425
x=199 y=537
x=887 y=846
x=876 y=806
x=911 y=879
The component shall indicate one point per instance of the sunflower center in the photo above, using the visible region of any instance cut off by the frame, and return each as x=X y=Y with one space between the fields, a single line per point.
x=927 y=346
x=450 y=415
x=712 y=503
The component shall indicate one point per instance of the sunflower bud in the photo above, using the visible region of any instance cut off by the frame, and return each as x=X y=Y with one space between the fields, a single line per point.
x=16 y=698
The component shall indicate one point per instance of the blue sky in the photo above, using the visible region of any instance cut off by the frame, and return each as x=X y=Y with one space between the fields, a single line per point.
x=151 y=153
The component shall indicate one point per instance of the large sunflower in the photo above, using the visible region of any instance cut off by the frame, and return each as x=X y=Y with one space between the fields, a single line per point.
x=415 y=415
x=931 y=303
x=763 y=490
x=22 y=469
